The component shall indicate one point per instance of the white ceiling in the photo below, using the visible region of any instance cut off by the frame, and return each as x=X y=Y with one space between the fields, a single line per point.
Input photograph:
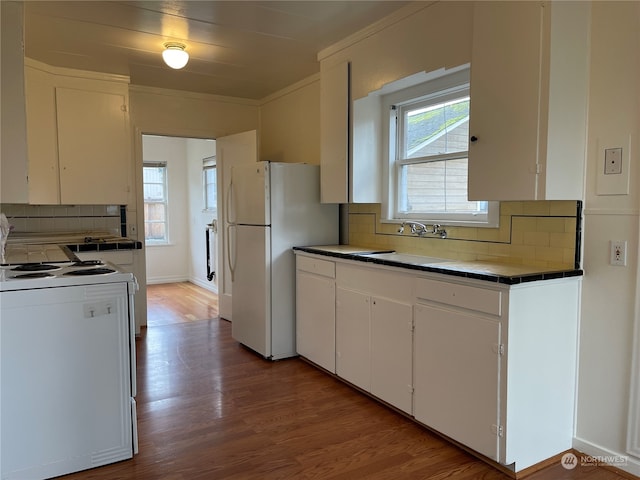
x=246 y=49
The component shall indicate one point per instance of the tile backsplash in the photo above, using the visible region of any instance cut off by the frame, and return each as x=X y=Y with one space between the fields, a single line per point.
x=66 y=218
x=537 y=233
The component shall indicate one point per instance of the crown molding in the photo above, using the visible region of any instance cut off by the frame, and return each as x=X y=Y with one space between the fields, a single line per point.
x=72 y=72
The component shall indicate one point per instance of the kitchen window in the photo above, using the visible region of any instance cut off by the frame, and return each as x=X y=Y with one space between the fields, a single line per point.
x=428 y=154
x=209 y=184
x=155 y=203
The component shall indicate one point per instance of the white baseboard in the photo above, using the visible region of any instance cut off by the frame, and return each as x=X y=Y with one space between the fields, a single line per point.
x=170 y=279
x=212 y=287
x=631 y=465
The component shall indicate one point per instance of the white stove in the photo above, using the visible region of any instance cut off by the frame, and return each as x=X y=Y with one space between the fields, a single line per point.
x=67 y=368
x=28 y=276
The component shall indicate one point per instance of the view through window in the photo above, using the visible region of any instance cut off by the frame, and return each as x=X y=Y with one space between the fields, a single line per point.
x=155 y=202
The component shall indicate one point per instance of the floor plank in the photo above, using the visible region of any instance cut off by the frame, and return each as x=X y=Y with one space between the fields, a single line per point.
x=210 y=409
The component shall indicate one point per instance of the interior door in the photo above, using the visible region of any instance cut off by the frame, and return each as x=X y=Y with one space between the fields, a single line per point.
x=238 y=149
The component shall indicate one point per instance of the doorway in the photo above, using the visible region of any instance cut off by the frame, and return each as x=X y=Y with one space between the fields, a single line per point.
x=179 y=212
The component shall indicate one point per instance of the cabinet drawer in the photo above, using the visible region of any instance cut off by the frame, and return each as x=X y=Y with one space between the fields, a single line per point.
x=464 y=296
x=317 y=266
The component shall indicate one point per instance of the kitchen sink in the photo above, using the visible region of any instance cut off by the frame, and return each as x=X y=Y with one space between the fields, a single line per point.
x=404 y=258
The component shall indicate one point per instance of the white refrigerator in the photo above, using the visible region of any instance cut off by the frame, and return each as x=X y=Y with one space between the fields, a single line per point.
x=272 y=208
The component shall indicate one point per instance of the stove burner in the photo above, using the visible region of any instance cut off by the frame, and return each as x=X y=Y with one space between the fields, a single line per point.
x=91 y=271
x=34 y=275
x=35 y=267
x=87 y=263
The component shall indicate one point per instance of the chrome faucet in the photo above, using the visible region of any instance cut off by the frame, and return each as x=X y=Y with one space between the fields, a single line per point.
x=438 y=230
x=416 y=228
x=421 y=230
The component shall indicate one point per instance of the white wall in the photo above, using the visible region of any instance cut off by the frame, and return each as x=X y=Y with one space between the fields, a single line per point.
x=290 y=124
x=609 y=292
x=197 y=150
x=170 y=262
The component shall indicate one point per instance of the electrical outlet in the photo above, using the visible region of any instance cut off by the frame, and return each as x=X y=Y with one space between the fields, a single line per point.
x=618 y=253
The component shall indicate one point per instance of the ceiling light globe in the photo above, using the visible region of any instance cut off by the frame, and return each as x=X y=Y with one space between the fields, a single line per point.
x=175 y=55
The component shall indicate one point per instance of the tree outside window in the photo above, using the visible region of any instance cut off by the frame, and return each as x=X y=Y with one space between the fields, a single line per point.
x=155 y=202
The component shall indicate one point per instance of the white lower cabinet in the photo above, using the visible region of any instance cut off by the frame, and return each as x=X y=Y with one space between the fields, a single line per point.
x=391 y=352
x=373 y=345
x=353 y=337
x=489 y=365
x=316 y=314
x=457 y=376
x=374 y=332
x=316 y=311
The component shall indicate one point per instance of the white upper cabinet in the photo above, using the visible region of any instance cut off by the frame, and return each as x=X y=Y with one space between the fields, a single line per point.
x=529 y=70
x=42 y=138
x=13 y=153
x=349 y=155
x=93 y=146
x=334 y=134
x=78 y=136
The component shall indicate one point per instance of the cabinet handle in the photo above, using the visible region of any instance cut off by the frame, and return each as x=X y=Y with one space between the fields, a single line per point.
x=473 y=139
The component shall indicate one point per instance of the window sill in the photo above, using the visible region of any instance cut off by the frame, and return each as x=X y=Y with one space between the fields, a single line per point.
x=153 y=244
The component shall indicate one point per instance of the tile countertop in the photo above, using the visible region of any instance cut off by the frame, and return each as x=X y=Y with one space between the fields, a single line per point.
x=62 y=247
x=40 y=253
x=77 y=242
x=505 y=273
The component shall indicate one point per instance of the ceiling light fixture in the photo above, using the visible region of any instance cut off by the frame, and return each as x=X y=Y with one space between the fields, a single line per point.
x=175 y=55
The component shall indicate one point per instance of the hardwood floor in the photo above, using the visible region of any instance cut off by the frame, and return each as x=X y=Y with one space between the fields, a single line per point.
x=210 y=409
x=171 y=303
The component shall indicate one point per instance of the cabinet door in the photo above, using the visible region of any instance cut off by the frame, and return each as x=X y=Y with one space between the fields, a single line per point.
x=93 y=147
x=456 y=376
x=13 y=150
x=334 y=134
x=506 y=100
x=316 y=319
x=353 y=352
x=44 y=181
x=391 y=352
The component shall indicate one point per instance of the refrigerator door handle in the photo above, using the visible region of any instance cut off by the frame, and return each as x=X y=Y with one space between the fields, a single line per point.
x=229 y=203
x=231 y=259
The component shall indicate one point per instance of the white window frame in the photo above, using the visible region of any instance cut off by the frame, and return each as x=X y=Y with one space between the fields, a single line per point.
x=165 y=202
x=438 y=88
x=209 y=163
